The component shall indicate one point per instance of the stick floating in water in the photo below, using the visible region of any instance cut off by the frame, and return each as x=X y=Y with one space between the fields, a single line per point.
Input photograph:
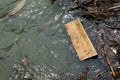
x=17 y=8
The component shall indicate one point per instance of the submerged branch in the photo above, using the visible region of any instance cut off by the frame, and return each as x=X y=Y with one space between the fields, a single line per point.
x=99 y=74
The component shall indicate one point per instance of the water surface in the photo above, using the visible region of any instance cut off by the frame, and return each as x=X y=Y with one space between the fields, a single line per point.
x=37 y=34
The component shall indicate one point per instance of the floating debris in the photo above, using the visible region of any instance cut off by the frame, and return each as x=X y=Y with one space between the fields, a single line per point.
x=17 y=8
x=96 y=9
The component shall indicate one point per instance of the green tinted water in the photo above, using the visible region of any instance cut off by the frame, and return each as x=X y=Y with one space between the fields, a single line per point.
x=36 y=45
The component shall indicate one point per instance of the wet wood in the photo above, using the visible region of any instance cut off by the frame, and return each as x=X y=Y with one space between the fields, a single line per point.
x=17 y=8
x=80 y=40
x=104 y=51
x=118 y=6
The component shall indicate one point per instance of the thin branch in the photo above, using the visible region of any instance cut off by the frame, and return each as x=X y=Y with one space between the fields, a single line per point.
x=118 y=6
x=99 y=74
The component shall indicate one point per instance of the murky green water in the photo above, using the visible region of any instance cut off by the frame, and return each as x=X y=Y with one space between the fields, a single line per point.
x=37 y=34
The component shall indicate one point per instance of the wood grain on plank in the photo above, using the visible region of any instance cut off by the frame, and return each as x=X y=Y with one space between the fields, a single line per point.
x=80 y=40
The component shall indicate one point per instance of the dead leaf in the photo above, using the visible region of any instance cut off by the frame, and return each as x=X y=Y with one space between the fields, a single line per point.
x=17 y=8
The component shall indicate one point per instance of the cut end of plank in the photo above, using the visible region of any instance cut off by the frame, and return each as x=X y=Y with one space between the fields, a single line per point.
x=80 y=40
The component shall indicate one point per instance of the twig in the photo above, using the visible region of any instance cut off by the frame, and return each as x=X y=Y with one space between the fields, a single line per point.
x=90 y=12
x=99 y=74
x=108 y=62
x=83 y=76
x=86 y=2
x=118 y=28
x=104 y=51
x=118 y=6
x=90 y=26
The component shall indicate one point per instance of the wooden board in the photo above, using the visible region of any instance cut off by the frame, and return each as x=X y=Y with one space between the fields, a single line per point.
x=80 y=40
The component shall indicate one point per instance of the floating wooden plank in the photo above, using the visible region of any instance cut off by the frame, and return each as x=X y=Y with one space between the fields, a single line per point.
x=80 y=40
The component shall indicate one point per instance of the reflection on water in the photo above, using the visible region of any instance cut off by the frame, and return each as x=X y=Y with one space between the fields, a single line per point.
x=36 y=43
